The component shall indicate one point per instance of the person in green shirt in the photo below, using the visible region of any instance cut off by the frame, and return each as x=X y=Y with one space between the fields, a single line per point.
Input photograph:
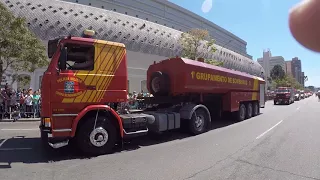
x=35 y=103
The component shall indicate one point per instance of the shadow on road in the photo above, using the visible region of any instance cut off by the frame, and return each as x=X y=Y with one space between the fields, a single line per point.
x=20 y=149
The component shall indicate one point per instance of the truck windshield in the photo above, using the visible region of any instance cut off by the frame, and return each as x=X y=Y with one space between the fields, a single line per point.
x=282 y=91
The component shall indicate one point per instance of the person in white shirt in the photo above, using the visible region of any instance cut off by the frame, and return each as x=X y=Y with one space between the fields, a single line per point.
x=28 y=102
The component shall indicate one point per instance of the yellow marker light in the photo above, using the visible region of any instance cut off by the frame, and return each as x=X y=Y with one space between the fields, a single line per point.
x=47 y=122
x=89 y=32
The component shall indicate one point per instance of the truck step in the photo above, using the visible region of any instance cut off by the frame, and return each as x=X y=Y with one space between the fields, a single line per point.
x=133 y=134
x=59 y=144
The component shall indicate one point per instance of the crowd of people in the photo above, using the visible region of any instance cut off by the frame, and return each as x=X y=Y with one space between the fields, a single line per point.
x=135 y=101
x=25 y=103
x=21 y=103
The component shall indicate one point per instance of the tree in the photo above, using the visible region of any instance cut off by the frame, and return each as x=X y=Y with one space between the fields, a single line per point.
x=277 y=72
x=269 y=79
x=195 y=39
x=20 y=50
x=286 y=81
x=22 y=79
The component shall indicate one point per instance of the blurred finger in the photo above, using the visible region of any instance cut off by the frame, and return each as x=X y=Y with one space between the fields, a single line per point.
x=304 y=23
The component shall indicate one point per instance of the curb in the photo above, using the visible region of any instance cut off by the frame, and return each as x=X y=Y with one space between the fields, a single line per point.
x=21 y=120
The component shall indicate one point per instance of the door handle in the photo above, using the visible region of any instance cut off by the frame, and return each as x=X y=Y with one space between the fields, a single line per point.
x=91 y=87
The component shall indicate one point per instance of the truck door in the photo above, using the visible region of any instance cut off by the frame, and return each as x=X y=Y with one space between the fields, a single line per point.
x=262 y=95
x=70 y=86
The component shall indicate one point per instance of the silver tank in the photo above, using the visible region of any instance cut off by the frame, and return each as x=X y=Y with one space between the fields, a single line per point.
x=49 y=19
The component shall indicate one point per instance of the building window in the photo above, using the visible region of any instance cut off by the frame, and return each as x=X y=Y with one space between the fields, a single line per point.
x=143 y=85
x=147 y=19
x=89 y=4
x=156 y=21
x=102 y=7
x=114 y=10
x=137 y=16
x=77 y=1
x=126 y=13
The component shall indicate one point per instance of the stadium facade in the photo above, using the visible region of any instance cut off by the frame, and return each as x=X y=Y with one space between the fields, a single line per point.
x=150 y=30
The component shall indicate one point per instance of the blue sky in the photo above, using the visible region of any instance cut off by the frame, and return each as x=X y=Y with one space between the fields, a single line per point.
x=262 y=24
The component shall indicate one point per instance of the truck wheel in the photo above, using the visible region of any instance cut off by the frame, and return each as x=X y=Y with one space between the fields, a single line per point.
x=159 y=83
x=274 y=102
x=98 y=140
x=249 y=111
x=198 y=122
x=241 y=114
x=255 y=109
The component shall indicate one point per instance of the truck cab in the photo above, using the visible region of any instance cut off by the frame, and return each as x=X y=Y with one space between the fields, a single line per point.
x=284 y=95
x=84 y=73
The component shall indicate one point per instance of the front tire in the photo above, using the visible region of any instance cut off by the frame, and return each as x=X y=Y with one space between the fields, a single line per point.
x=99 y=140
x=198 y=122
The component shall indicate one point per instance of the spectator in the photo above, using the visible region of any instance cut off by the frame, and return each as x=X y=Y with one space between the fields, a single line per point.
x=6 y=100
x=28 y=102
x=35 y=103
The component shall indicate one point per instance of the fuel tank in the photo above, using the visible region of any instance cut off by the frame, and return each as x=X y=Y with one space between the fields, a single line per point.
x=181 y=76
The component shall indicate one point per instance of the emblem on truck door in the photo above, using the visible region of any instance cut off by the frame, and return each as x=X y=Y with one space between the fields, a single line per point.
x=68 y=87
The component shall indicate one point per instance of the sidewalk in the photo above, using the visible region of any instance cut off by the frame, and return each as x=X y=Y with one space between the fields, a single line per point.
x=21 y=119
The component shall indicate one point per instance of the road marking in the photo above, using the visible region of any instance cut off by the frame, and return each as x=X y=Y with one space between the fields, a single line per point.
x=269 y=129
x=298 y=108
x=3 y=142
x=14 y=149
x=19 y=129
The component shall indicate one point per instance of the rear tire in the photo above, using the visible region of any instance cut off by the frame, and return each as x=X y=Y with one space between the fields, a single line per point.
x=241 y=114
x=255 y=109
x=249 y=111
x=98 y=141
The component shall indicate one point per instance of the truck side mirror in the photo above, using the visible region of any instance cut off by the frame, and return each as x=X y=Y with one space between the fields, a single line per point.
x=63 y=59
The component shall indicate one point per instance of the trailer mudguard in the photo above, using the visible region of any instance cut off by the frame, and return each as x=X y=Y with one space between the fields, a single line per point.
x=92 y=108
x=187 y=110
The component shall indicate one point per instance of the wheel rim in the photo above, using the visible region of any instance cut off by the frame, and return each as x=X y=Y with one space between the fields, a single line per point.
x=155 y=84
x=199 y=122
x=99 y=137
x=242 y=112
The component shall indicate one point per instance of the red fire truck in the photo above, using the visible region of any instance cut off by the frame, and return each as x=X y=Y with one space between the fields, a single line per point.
x=86 y=74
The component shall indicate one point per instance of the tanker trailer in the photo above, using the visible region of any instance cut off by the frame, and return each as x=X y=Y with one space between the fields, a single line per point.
x=180 y=80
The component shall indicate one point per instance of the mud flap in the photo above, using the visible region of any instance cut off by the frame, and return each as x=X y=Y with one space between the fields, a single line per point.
x=262 y=95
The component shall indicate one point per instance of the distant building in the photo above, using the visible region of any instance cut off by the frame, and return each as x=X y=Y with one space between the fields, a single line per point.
x=302 y=79
x=277 y=60
x=268 y=62
x=296 y=69
x=289 y=68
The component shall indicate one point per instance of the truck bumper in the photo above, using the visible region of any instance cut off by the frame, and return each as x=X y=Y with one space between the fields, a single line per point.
x=281 y=101
x=54 y=142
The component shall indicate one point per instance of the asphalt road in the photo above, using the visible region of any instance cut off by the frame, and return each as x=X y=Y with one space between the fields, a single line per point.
x=281 y=143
